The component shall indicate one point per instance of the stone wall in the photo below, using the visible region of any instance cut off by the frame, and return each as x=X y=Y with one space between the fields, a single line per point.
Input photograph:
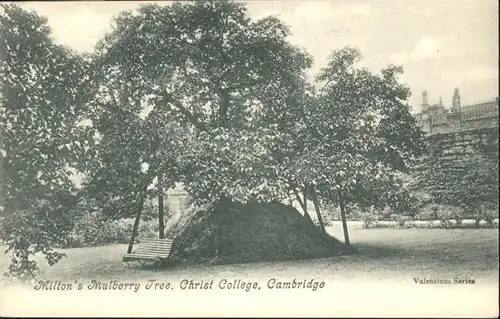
x=457 y=144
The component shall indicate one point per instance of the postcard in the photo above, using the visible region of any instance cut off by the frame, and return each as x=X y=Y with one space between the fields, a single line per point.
x=247 y=159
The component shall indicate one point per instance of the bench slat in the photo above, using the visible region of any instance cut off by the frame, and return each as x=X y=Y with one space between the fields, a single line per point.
x=151 y=249
x=159 y=247
x=156 y=245
x=154 y=248
x=156 y=241
x=160 y=252
x=147 y=255
x=143 y=257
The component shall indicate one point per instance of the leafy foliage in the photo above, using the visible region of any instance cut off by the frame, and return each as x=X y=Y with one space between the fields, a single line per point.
x=204 y=62
x=359 y=134
x=235 y=165
x=467 y=180
x=207 y=67
x=45 y=91
x=93 y=230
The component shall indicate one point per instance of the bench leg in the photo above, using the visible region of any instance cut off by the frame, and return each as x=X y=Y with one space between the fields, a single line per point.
x=161 y=262
x=157 y=264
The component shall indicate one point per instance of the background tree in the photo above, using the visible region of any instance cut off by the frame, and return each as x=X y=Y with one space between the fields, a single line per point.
x=44 y=96
x=360 y=133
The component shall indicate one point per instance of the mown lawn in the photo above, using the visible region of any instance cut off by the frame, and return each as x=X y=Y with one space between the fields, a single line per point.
x=376 y=281
x=383 y=253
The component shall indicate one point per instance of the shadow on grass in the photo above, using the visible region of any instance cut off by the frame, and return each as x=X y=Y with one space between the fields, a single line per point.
x=478 y=257
x=356 y=251
x=377 y=251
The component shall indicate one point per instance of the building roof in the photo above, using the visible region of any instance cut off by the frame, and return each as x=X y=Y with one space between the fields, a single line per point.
x=477 y=111
x=468 y=112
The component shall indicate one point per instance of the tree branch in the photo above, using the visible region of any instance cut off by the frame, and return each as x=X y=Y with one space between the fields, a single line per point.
x=116 y=107
x=167 y=98
x=297 y=196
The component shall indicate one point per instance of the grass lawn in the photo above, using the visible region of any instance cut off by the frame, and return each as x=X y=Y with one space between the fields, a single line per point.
x=383 y=253
x=379 y=277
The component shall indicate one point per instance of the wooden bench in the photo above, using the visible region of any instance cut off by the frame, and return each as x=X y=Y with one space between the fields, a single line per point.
x=156 y=250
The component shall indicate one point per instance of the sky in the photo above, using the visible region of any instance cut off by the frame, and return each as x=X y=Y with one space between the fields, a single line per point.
x=442 y=45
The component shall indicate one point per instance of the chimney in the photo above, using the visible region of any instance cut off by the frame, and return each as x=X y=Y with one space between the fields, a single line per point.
x=456 y=100
x=424 y=98
x=440 y=100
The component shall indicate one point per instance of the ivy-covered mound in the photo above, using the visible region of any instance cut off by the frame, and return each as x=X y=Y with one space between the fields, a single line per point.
x=235 y=233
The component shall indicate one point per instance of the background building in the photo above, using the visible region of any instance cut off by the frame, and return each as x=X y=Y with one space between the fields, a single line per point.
x=437 y=119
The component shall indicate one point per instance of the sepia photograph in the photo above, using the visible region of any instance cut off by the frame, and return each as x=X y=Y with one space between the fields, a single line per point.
x=224 y=158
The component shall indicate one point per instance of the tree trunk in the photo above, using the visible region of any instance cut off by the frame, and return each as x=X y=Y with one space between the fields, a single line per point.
x=136 y=224
x=303 y=204
x=161 y=220
x=344 y=220
x=317 y=208
x=224 y=102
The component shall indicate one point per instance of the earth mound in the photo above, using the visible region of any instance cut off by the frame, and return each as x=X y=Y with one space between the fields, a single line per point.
x=238 y=233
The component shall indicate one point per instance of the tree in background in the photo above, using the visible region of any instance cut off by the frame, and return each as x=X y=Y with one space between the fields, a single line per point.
x=360 y=134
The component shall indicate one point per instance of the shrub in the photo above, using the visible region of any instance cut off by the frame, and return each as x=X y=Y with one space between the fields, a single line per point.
x=370 y=219
x=459 y=216
x=86 y=230
x=447 y=214
x=115 y=231
x=427 y=213
x=147 y=229
x=489 y=216
x=488 y=213
x=332 y=213
x=92 y=230
x=150 y=209
x=402 y=220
